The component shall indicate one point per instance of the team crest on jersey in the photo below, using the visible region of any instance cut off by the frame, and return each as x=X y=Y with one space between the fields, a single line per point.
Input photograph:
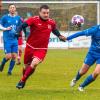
x=9 y=21
x=49 y=26
x=16 y=21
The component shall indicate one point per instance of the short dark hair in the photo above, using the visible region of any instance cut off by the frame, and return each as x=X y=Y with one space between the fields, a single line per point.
x=44 y=7
x=11 y=5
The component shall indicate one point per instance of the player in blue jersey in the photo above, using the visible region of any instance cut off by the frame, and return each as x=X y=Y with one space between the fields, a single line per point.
x=10 y=37
x=93 y=56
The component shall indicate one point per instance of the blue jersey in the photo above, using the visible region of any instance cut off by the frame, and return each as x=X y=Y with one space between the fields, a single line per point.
x=10 y=21
x=94 y=32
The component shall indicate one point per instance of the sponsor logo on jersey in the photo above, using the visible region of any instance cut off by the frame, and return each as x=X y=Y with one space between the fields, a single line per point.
x=49 y=26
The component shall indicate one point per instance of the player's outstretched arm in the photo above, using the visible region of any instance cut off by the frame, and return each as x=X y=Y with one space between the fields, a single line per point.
x=88 y=32
x=4 y=29
x=75 y=35
x=57 y=33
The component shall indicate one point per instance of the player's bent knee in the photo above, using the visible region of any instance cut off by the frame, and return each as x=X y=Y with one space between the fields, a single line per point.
x=97 y=72
x=97 y=69
x=35 y=62
x=95 y=75
x=13 y=56
x=8 y=56
x=84 y=69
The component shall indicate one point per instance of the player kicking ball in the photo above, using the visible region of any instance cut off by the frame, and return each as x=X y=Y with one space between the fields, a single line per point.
x=93 y=56
x=37 y=43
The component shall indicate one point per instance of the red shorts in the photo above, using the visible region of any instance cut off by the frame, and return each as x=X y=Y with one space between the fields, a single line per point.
x=30 y=53
x=20 y=41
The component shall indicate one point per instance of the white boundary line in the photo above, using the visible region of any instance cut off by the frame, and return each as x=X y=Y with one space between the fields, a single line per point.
x=28 y=2
x=44 y=48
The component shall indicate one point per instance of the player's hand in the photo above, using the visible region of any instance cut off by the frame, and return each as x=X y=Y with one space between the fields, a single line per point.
x=66 y=39
x=8 y=28
x=62 y=38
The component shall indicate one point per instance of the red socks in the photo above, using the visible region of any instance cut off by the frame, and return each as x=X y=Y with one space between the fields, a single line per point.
x=24 y=71
x=29 y=70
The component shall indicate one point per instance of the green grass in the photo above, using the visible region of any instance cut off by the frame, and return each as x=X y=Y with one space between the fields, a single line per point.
x=51 y=79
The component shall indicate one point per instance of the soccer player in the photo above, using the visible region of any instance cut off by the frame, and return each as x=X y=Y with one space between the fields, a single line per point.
x=10 y=37
x=93 y=56
x=37 y=43
x=20 y=43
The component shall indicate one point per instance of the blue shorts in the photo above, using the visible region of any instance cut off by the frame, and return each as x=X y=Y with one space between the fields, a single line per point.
x=10 y=47
x=92 y=58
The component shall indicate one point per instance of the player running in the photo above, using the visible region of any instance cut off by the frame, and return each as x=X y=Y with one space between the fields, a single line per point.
x=20 y=43
x=93 y=56
x=37 y=43
x=10 y=37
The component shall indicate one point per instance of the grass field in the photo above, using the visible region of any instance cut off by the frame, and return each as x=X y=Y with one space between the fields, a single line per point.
x=51 y=79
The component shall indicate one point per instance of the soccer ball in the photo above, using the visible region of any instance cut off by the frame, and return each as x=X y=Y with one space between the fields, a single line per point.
x=77 y=20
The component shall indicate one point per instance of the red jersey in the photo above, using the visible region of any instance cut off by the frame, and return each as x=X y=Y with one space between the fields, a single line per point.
x=40 y=31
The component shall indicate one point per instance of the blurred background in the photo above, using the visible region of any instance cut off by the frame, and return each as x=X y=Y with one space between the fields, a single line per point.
x=62 y=12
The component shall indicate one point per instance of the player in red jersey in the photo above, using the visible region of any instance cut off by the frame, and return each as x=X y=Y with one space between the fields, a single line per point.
x=20 y=42
x=37 y=43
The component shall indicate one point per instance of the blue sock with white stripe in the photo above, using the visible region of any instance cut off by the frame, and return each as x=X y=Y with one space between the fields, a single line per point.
x=87 y=81
x=3 y=61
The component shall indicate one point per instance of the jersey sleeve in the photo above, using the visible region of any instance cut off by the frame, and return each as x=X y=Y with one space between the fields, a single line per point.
x=30 y=21
x=2 y=21
x=1 y=27
x=20 y=21
x=54 y=27
x=88 y=32
x=91 y=31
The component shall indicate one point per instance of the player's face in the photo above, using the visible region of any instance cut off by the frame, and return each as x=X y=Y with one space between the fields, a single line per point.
x=44 y=14
x=12 y=9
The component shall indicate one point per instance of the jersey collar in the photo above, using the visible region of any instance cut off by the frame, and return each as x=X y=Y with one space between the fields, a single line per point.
x=11 y=15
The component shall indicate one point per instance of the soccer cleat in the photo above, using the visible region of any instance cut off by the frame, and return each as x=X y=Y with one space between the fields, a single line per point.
x=20 y=85
x=81 y=89
x=73 y=82
x=1 y=67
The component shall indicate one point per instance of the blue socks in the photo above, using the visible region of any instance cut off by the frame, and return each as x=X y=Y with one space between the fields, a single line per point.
x=87 y=81
x=3 y=61
x=12 y=63
x=78 y=76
